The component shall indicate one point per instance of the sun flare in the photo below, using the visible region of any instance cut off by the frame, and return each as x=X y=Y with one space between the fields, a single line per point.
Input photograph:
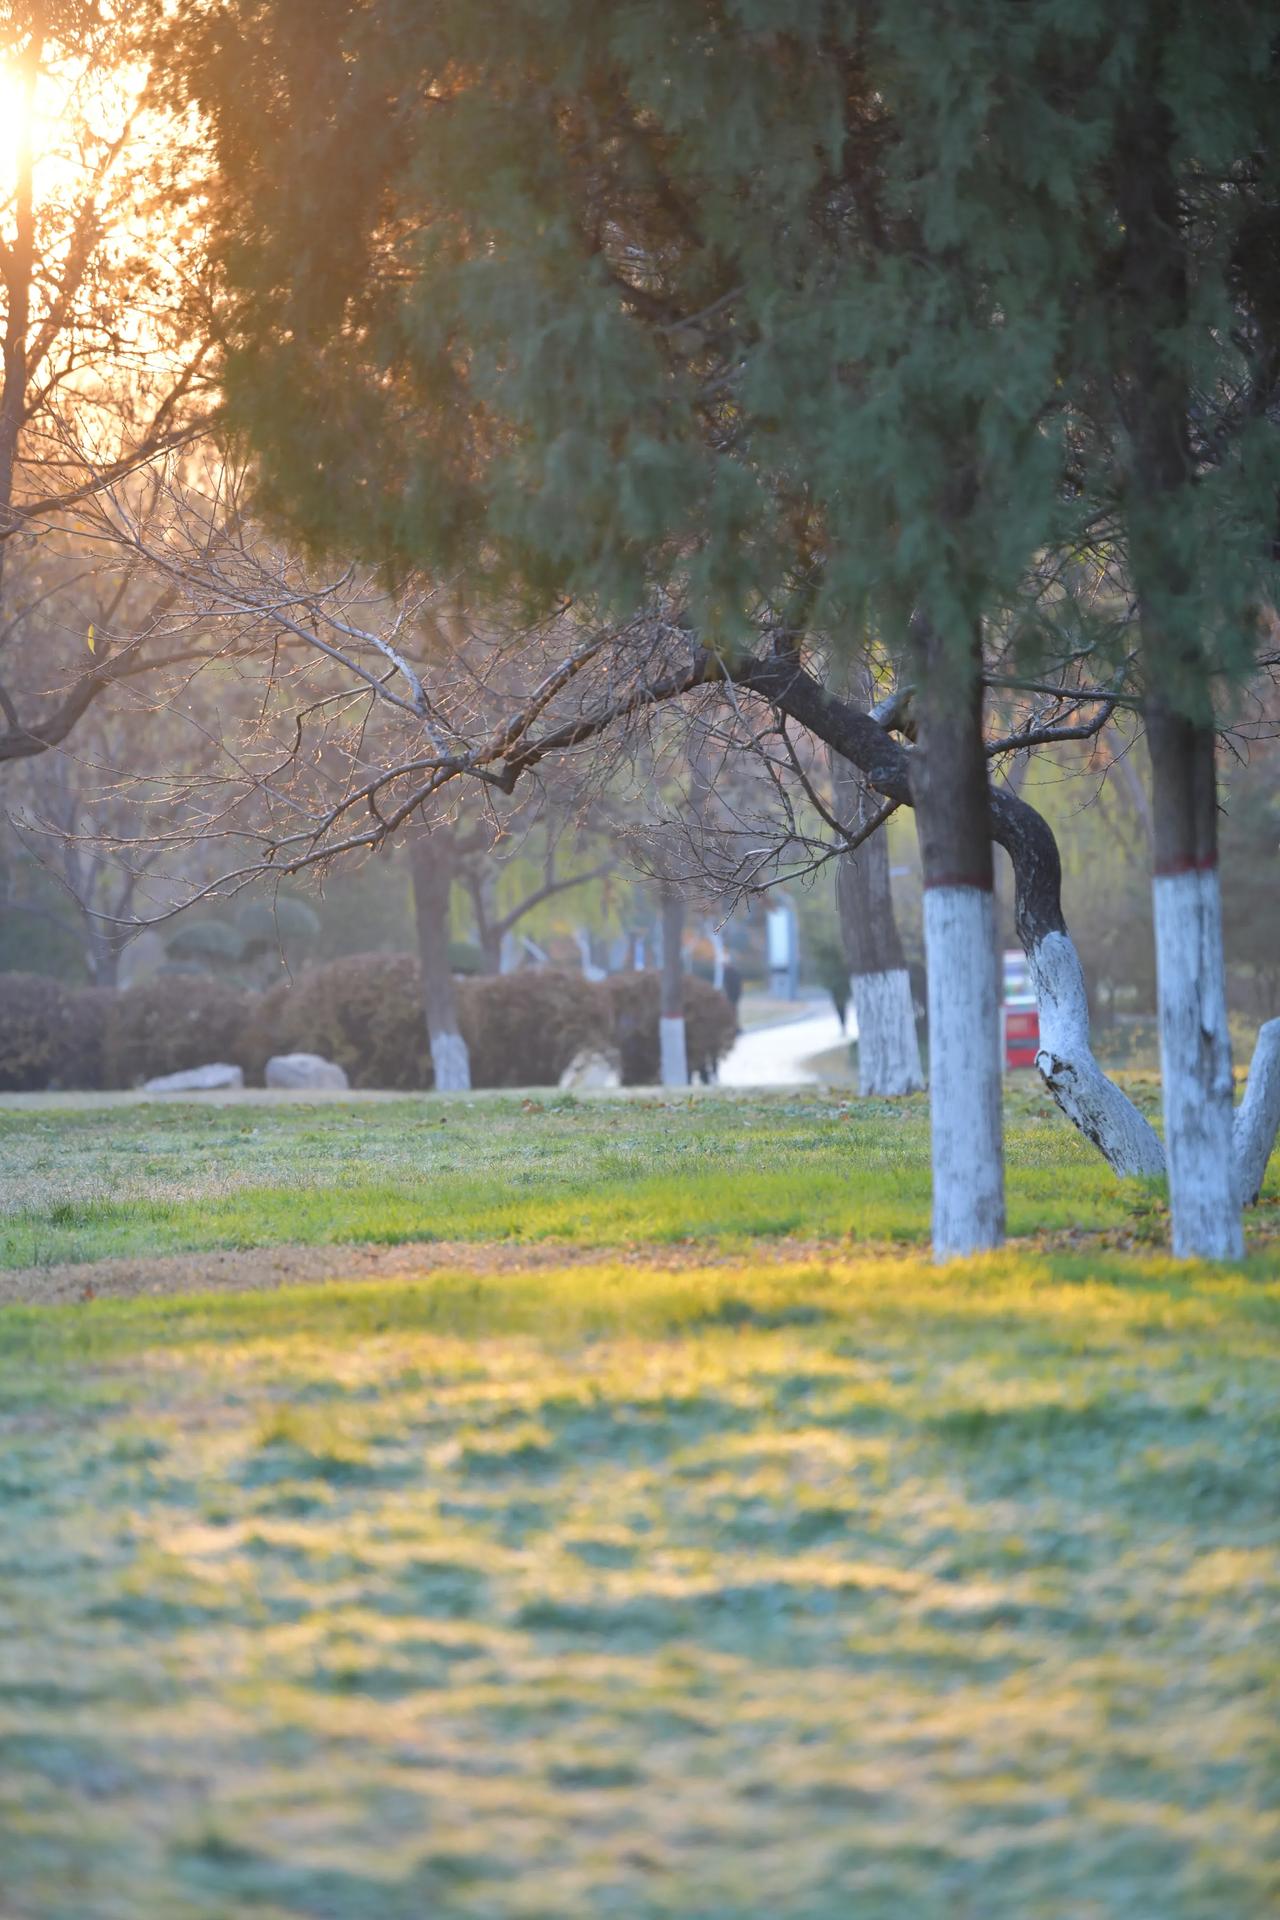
x=11 y=129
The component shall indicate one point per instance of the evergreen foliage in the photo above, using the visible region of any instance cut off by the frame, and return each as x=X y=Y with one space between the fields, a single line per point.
x=805 y=308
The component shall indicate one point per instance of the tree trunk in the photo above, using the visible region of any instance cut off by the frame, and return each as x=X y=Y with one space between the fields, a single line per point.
x=1153 y=292
x=1195 y=1046
x=1258 y=1116
x=432 y=877
x=673 y=1052
x=1104 y=1114
x=102 y=954
x=950 y=792
x=888 y=1049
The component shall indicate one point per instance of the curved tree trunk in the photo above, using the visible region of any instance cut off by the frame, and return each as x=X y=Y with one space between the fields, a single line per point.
x=673 y=1050
x=888 y=1048
x=1257 y=1118
x=949 y=787
x=432 y=878
x=1092 y=1102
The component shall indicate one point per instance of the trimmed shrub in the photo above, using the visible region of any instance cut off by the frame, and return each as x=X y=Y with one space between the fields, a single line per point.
x=209 y=943
x=84 y=1038
x=364 y=1012
x=710 y=1025
x=267 y=1028
x=172 y=1022
x=33 y=1015
x=523 y=1029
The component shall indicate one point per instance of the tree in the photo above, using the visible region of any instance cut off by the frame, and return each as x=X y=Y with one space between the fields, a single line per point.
x=721 y=306
x=757 y=323
x=346 y=756
x=1177 y=349
x=108 y=339
x=888 y=1046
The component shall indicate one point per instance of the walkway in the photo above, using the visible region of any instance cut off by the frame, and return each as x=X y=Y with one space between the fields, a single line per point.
x=774 y=1056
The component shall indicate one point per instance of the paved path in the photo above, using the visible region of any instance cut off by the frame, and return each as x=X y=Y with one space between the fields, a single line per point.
x=774 y=1056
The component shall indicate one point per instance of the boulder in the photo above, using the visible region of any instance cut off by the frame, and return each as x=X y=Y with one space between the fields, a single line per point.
x=309 y=1070
x=196 y=1080
x=592 y=1067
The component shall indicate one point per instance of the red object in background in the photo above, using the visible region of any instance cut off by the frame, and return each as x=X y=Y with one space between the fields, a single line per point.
x=1021 y=1037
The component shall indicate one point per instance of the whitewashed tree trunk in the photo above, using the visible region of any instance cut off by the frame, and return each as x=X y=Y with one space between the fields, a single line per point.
x=1091 y=1101
x=432 y=868
x=1257 y=1118
x=450 y=1063
x=952 y=798
x=1106 y=1115
x=1075 y=1078
x=888 y=1050
x=888 y=1047
x=673 y=1058
x=964 y=1073
x=1195 y=1066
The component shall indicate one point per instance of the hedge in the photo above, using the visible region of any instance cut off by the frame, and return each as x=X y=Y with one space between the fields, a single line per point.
x=364 y=1011
x=33 y=1016
x=169 y=1023
x=710 y=1025
x=523 y=1029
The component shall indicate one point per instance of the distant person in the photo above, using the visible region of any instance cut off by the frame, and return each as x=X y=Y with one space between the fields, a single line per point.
x=731 y=986
x=833 y=972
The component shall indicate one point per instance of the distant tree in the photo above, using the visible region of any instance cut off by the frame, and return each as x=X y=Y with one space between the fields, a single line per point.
x=107 y=331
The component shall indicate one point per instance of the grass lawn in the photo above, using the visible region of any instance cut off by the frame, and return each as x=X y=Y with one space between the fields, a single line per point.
x=825 y=1588
x=596 y=1173
x=852 y=1588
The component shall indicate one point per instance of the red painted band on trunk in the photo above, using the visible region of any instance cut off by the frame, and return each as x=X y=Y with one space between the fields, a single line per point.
x=977 y=883
x=1169 y=869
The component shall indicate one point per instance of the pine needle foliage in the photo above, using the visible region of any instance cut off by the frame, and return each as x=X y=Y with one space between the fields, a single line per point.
x=809 y=310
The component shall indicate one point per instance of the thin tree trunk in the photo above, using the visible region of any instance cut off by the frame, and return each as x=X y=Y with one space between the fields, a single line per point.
x=950 y=792
x=673 y=1052
x=432 y=871
x=888 y=1047
x=1195 y=1045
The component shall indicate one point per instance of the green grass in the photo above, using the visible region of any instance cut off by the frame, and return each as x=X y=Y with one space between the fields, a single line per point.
x=848 y=1588
x=143 y=1180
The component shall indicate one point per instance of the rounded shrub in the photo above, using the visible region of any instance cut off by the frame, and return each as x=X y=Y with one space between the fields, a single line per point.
x=84 y=1038
x=170 y=1023
x=523 y=1029
x=364 y=1012
x=710 y=1025
x=33 y=1014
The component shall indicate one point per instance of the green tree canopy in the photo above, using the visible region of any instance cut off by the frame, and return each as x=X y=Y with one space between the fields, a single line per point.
x=764 y=298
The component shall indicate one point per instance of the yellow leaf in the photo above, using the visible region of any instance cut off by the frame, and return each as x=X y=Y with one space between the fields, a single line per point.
x=89 y=636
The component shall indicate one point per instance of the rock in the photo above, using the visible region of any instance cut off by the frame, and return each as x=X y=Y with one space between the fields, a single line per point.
x=196 y=1080
x=592 y=1068
x=309 y=1070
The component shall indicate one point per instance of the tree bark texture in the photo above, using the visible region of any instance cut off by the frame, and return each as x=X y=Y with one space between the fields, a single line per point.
x=1153 y=295
x=673 y=1050
x=432 y=871
x=888 y=1048
x=1092 y=1102
x=1195 y=1044
x=949 y=788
